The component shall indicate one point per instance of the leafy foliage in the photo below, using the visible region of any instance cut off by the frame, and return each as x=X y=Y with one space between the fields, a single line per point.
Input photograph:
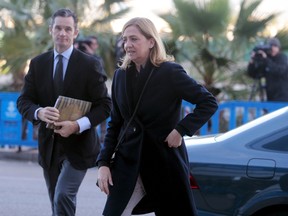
x=200 y=30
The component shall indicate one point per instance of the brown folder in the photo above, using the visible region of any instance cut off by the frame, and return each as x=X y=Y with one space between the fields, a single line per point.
x=70 y=109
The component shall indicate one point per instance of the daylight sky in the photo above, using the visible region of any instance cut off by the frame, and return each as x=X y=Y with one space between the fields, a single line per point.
x=148 y=8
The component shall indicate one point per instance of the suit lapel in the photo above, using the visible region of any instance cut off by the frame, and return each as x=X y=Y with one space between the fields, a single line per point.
x=48 y=74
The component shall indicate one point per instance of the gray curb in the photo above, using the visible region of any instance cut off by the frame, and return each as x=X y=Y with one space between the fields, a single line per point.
x=23 y=155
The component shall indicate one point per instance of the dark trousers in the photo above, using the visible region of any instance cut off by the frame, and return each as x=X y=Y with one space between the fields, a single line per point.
x=63 y=182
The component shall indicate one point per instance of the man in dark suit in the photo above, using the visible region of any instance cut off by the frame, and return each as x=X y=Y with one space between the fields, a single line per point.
x=65 y=153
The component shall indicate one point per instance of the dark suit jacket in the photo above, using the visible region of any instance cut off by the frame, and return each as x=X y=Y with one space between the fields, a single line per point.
x=83 y=80
x=164 y=170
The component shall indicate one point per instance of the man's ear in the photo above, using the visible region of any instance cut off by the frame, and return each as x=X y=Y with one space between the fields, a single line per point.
x=76 y=33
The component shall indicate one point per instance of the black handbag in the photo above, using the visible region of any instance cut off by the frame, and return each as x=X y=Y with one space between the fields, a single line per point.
x=130 y=120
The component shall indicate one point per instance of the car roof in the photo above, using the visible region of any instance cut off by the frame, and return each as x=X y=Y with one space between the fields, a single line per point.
x=262 y=126
x=269 y=123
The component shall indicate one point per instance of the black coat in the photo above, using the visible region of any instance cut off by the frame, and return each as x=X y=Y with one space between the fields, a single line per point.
x=83 y=80
x=164 y=171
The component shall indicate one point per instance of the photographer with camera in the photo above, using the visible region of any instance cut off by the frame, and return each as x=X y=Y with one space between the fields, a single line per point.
x=84 y=46
x=89 y=46
x=270 y=65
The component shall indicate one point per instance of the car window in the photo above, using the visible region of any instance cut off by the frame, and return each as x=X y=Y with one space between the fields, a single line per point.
x=275 y=142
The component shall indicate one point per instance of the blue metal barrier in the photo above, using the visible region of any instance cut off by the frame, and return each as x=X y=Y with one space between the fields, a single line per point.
x=232 y=114
x=14 y=130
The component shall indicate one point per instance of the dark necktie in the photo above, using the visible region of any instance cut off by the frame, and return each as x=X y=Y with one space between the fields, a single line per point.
x=58 y=77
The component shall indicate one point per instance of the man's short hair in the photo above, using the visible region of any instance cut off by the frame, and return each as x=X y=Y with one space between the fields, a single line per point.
x=64 y=12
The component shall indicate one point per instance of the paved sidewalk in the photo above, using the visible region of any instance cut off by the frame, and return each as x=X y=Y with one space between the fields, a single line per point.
x=23 y=154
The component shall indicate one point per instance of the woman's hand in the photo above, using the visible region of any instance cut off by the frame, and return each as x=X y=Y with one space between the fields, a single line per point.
x=174 y=139
x=104 y=179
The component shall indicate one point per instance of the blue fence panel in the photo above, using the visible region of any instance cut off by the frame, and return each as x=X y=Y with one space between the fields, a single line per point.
x=10 y=119
x=13 y=129
x=232 y=114
x=16 y=131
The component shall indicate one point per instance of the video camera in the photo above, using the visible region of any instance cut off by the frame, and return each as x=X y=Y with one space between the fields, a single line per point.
x=265 y=48
x=81 y=45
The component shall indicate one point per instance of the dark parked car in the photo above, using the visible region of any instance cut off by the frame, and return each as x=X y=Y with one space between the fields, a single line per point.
x=243 y=171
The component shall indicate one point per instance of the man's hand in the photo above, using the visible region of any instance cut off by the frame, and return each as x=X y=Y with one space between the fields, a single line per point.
x=66 y=128
x=48 y=114
x=252 y=55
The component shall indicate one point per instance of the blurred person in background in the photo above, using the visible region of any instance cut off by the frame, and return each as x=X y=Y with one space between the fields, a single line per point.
x=119 y=50
x=90 y=46
x=268 y=66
